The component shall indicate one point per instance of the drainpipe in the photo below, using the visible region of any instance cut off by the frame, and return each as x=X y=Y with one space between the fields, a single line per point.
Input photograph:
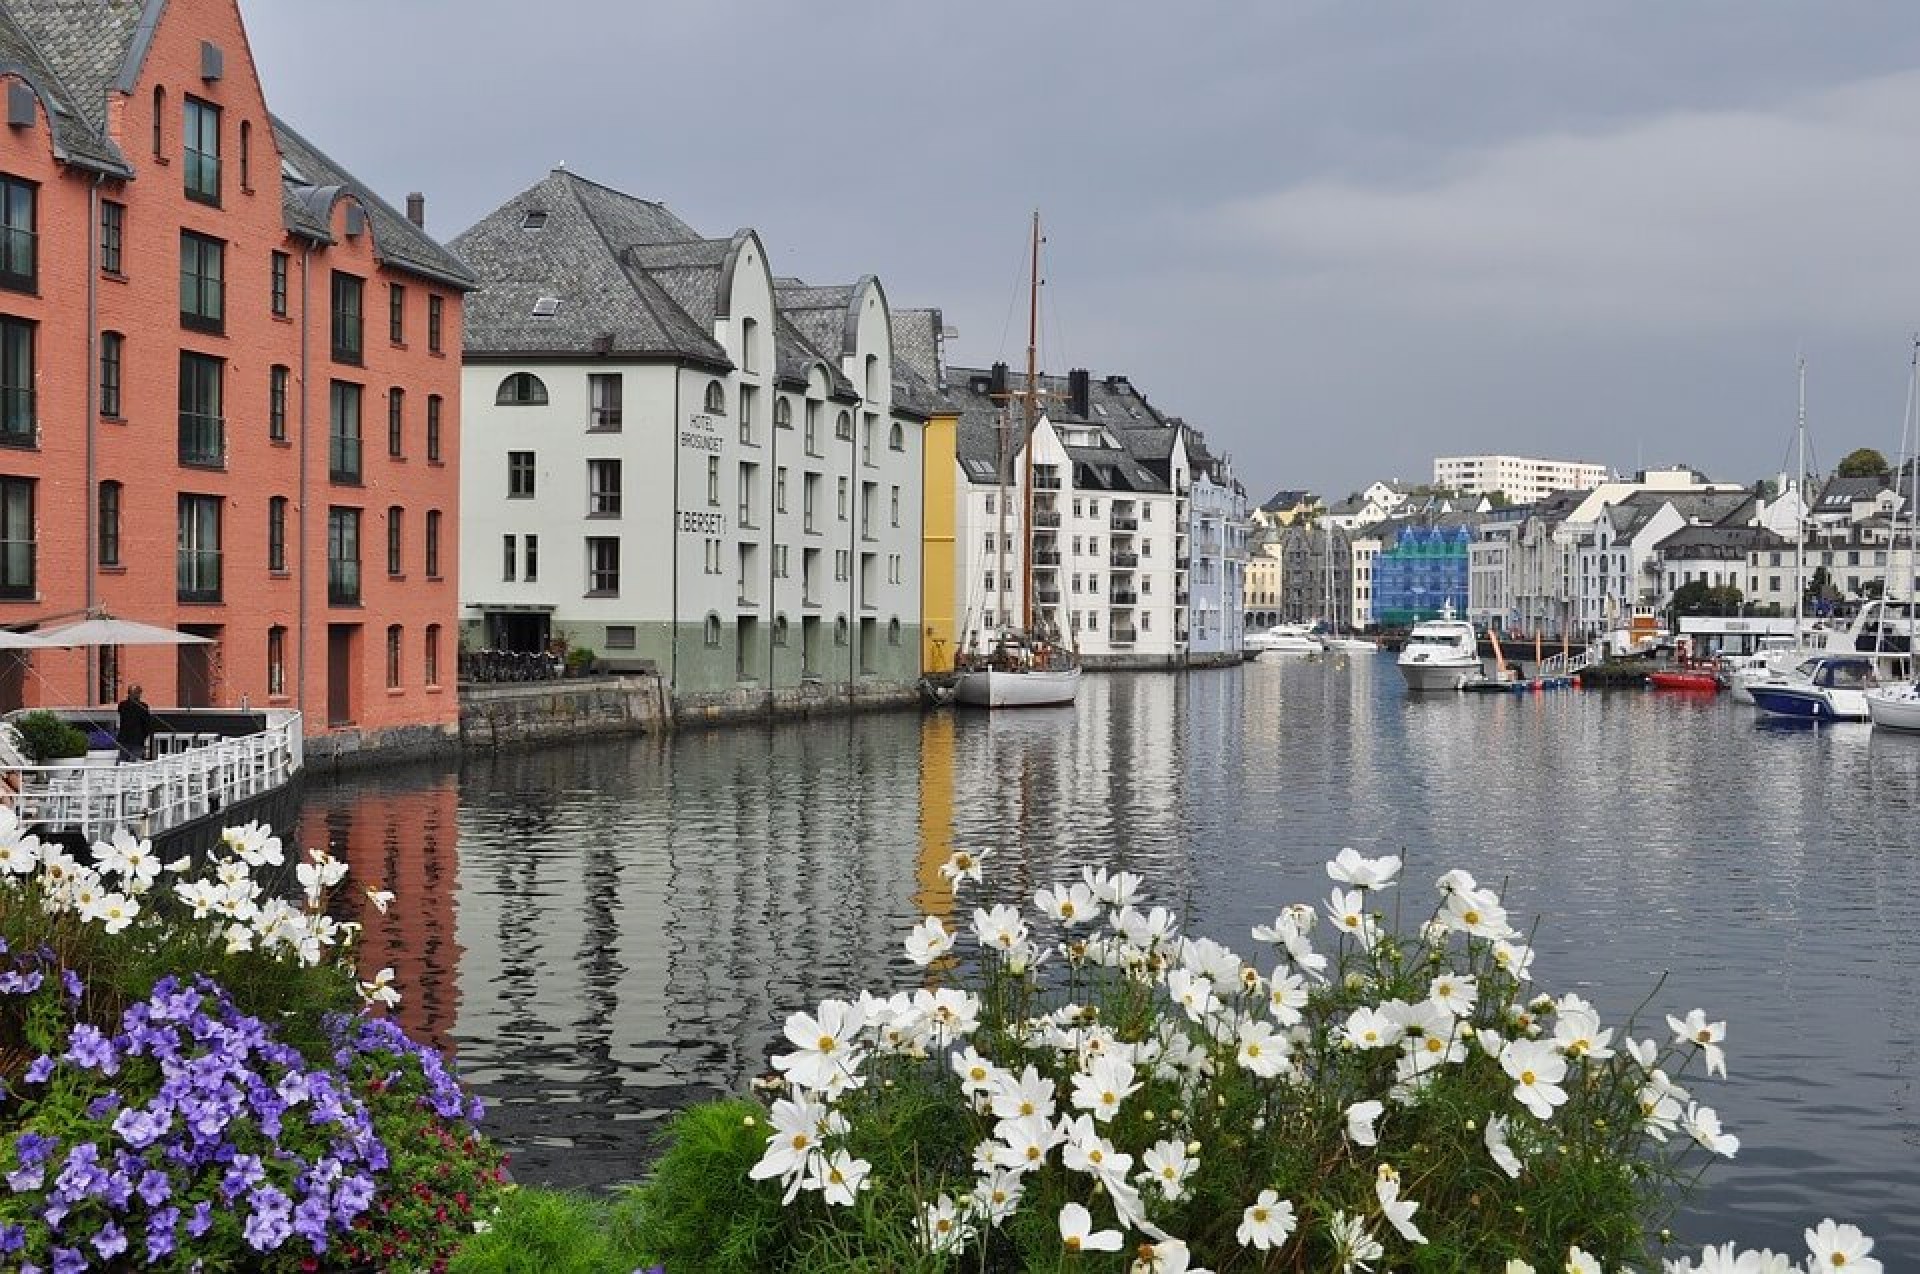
x=91 y=549
x=773 y=519
x=673 y=624
x=306 y=496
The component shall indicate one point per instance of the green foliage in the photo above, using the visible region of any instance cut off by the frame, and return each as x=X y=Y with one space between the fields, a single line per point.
x=579 y=659
x=1863 y=462
x=534 y=1231
x=45 y=737
x=1697 y=597
x=696 y=1211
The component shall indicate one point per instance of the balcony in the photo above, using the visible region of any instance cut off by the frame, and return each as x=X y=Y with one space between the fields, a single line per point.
x=197 y=577
x=1046 y=557
x=1050 y=520
x=343 y=458
x=1126 y=522
x=1124 y=559
x=1181 y=561
x=1046 y=482
x=1124 y=597
x=202 y=440
x=1047 y=596
x=1119 y=636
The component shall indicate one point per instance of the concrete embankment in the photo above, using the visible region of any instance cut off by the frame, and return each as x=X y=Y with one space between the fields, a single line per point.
x=510 y=714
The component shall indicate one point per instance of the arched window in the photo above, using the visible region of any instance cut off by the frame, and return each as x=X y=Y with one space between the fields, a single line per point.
x=430 y=663
x=843 y=427
x=159 y=122
x=522 y=389
x=893 y=632
x=393 y=656
x=716 y=399
x=713 y=629
x=896 y=438
x=873 y=378
x=779 y=630
x=783 y=414
x=749 y=337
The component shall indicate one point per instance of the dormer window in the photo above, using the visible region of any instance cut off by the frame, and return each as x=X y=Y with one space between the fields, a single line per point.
x=536 y=219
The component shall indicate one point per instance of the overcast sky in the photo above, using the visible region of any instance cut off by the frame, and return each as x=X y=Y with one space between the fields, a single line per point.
x=1341 y=238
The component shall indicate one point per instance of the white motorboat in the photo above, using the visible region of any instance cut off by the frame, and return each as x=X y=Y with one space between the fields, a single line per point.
x=1441 y=654
x=1824 y=688
x=1349 y=644
x=1895 y=707
x=1284 y=639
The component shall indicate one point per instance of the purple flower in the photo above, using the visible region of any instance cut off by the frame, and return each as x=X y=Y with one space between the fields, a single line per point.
x=68 y=1260
x=88 y=1049
x=14 y=982
x=154 y=1188
x=38 y=1070
x=109 y=1241
x=34 y=1148
x=76 y=989
x=201 y=1221
x=160 y=1234
x=12 y=1237
x=140 y=1128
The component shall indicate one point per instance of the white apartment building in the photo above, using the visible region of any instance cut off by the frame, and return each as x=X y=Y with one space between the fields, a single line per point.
x=678 y=460
x=1521 y=478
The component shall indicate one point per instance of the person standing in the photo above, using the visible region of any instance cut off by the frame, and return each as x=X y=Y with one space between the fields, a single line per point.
x=137 y=726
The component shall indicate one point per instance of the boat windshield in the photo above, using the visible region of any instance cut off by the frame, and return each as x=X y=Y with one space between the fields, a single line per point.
x=1846 y=676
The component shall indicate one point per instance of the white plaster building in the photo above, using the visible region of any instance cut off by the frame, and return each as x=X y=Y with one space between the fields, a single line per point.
x=1521 y=479
x=678 y=460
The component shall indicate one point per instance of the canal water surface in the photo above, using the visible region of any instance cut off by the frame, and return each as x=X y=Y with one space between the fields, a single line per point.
x=606 y=931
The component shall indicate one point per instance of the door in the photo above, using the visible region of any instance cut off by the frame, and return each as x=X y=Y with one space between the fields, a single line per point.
x=193 y=668
x=342 y=639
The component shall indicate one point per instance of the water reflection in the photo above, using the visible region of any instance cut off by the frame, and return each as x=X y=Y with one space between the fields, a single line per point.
x=607 y=931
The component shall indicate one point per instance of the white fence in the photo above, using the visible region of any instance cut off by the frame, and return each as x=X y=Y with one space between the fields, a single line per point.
x=206 y=773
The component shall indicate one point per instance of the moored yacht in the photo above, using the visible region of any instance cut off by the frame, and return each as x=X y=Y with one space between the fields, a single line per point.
x=1824 y=688
x=1284 y=639
x=1441 y=654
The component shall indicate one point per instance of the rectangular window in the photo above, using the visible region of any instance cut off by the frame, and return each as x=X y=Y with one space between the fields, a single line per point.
x=713 y=480
x=112 y=350
x=202 y=422
x=198 y=576
x=509 y=558
x=16 y=537
x=349 y=294
x=430 y=666
x=433 y=428
x=842 y=564
x=277 y=534
x=19 y=235
x=520 y=475
x=809 y=485
x=532 y=558
x=396 y=314
x=203 y=286
x=896 y=506
x=277 y=403
x=434 y=308
x=280 y=264
x=343 y=557
x=113 y=235
x=603 y=402
x=621 y=637
x=603 y=488
x=202 y=145
x=603 y=566
x=843 y=499
x=276 y=662
x=433 y=544
x=813 y=430
x=780 y=489
x=747 y=396
x=109 y=524
x=343 y=432
x=748 y=481
x=396 y=528
x=396 y=422
x=393 y=656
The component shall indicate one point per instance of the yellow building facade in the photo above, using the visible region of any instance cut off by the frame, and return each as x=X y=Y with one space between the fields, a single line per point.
x=939 y=512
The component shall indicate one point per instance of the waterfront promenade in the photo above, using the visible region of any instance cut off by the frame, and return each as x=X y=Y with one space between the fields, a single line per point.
x=607 y=931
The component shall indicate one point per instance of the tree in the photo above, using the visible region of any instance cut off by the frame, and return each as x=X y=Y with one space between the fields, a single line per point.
x=1863 y=462
x=1821 y=593
x=1701 y=598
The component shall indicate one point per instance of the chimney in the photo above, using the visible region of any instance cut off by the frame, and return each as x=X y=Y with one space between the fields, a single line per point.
x=417 y=209
x=997 y=387
x=1079 y=393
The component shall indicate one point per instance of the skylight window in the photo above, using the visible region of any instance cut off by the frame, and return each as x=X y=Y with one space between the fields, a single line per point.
x=534 y=220
x=546 y=307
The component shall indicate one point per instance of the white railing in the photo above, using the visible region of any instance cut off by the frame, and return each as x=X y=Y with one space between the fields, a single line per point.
x=1571 y=662
x=206 y=773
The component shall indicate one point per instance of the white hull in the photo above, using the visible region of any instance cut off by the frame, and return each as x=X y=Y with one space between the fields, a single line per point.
x=1289 y=646
x=1355 y=644
x=1895 y=708
x=1433 y=674
x=1006 y=688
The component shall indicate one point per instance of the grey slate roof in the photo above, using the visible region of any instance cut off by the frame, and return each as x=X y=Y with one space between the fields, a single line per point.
x=1840 y=493
x=73 y=51
x=397 y=242
x=1287 y=499
x=1726 y=542
x=1112 y=403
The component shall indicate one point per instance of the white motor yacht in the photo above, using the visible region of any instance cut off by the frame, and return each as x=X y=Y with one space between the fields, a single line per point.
x=1284 y=639
x=1441 y=654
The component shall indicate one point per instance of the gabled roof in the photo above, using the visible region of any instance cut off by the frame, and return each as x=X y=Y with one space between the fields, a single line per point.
x=919 y=369
x=1840 y=493
x=1719 y=541
x=75 y=52
x=310 y=179
x=1284 y=499
x=1142 y=439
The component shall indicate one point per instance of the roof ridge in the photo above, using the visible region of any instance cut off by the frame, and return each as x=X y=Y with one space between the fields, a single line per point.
x=619 y=258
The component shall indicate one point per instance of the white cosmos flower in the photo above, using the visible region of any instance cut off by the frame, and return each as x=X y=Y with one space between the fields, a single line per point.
x=116 y=911
x=1286 y=996
x=1581 y=1262
x=977 y=1074
x=1165 y=1255
x=1360 y=1117
x=1261 y=1051
x=1145 y=930
x=381 y=899
x=1456 y=881
x=1266 y=1224
x=1026 y=1142
x=255 y=843
x=1192 y=993
x=1371 y=1028
x=794 y=1142
x=1349 y=868
x=1167 y=1165
x=996 y=1195
x=1840 y=1247
x=1088 y=1152
x=1455 y=993
x=1000 y=929
x=1078 y=1235
x=951 y=1015
x=380 y=989
x=1536 y=1070
x=1515 y=960
x=1399 y=1212
x=928 y=941
x=1352 y=1244
x=1115 y=890
x=964 y=865
x=1476 y=912
x=1495 y=1137
x=1645 y=1052
x=824 y=1049
x=1660 y=1107
x=1706 y=1036
x=1724 y=1260
x=838 y=1177
x=1104 y=1086
x=19 y=855
x=944 y=1228
x=1070 y=904
x=1029 y=1094
x=1703 y=1125
x=1348 y=911
x=1577 y=1033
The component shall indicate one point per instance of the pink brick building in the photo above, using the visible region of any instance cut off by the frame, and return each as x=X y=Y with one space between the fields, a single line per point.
x=229 y=386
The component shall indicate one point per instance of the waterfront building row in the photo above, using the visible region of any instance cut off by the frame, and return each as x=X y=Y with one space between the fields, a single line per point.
x=229 y=384
x=1521 y=479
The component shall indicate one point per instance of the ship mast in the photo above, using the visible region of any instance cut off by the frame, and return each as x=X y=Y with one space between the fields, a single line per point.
x=1800 y=521
x=1033 y=356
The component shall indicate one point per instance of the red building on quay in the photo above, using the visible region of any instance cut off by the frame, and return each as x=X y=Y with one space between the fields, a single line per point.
x=229 y=387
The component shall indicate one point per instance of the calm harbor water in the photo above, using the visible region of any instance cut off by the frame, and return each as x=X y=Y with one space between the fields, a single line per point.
x=604 y=932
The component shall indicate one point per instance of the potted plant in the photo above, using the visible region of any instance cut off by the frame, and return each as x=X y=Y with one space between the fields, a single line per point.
x=47 y=740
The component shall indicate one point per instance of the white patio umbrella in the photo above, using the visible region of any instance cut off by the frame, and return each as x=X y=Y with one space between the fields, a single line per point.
x=108 y=631
x=10 y=640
